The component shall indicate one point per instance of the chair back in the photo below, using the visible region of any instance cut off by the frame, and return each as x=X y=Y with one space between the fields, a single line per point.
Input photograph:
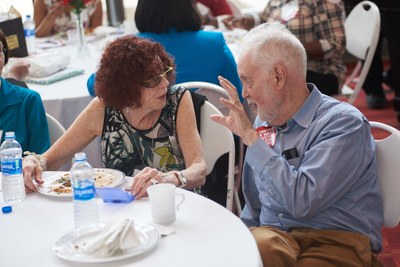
x=362 y=28
x=217 y=140
x=56 y=130
x=212 y=91
x=387 y=155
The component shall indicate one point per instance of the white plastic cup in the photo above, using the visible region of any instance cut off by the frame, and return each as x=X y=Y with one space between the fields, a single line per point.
x=162 y=202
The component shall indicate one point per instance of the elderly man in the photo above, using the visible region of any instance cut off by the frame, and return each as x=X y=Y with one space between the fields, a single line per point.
x=309 y=179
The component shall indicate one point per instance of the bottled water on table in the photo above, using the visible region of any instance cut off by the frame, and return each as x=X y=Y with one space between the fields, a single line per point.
x=86 y=211
x=11 y=169
x=30 y=37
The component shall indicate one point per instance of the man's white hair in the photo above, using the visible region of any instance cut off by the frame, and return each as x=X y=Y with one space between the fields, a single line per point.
x=270 y=43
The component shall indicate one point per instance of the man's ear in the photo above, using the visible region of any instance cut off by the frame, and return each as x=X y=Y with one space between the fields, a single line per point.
x=280 y=75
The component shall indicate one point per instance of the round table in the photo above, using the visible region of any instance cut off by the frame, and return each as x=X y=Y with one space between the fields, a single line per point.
x=206 y=234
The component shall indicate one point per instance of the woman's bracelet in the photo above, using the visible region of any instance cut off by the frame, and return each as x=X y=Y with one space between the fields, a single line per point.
x=41 y=159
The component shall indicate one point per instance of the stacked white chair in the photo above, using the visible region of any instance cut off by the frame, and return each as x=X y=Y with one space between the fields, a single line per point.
x=362 y=29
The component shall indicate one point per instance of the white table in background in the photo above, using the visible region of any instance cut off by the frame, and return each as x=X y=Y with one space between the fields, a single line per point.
x=66 y=99
x=206 y=234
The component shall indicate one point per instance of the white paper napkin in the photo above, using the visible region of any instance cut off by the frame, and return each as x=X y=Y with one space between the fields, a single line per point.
x=119 y=234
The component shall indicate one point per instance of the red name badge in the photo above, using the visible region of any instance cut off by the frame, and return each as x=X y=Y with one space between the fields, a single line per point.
x=268 y=134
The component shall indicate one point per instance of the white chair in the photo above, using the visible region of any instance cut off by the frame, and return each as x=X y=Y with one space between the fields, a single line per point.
x=362 y=28
x=213 y=93
x=388 y=154
x=56 y=130
x=217 y=140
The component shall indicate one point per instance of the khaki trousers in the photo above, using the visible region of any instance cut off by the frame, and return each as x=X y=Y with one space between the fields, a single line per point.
x=313 y=248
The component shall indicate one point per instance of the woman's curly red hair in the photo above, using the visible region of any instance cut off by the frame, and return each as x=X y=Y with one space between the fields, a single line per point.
x=124 y=66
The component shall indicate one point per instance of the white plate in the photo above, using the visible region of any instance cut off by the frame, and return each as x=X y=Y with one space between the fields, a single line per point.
x=51 y=182
x=148 y=235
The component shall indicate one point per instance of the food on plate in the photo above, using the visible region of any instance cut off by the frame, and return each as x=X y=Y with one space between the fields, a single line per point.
x=62 y=185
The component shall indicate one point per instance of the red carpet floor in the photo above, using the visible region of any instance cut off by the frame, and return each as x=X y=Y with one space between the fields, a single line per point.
x=390 y=255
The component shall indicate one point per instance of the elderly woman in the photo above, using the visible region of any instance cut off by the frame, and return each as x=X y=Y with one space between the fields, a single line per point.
x=52 y=16
x=21 y=109
x=142 y=122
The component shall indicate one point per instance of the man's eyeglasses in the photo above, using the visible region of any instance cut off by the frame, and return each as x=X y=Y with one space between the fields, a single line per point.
x=156 y=80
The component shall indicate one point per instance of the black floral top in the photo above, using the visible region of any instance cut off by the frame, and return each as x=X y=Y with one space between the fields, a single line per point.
x=125 y=148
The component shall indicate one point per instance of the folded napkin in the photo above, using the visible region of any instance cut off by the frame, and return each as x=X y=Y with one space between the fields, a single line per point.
x=47 y=63
x=116 y=235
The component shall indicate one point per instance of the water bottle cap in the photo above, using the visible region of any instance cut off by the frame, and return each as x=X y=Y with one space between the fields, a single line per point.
x=9 y=135
x=6 y=209
x=81 y=156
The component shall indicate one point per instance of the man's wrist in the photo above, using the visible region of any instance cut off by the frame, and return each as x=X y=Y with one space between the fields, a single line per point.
x=250 y=137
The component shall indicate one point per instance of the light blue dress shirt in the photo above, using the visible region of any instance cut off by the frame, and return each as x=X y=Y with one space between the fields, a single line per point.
x=198 y=55
x=332 y=184
x=22 y=112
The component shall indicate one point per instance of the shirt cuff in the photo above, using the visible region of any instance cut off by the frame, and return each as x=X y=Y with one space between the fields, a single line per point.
x=256 y=162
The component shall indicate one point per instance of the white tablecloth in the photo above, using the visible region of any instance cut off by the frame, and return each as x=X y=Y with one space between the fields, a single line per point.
x=206 y=234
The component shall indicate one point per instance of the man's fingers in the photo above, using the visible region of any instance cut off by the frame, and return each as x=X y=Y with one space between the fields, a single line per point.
x=218 y=118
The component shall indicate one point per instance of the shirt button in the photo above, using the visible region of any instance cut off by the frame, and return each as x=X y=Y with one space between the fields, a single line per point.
x=280 y=215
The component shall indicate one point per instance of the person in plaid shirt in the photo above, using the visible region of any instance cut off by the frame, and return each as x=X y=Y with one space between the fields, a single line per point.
x=319 y=25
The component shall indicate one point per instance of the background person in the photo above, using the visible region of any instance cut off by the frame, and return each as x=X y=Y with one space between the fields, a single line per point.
x=21 y=109
x=319 y=25
x=215 y=8
x=199 y=55
x=143 y=124
x=52 y=16
x=309 y=181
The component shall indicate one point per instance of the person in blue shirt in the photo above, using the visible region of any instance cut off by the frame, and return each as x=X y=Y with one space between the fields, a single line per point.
x=199 y=55
x=21 y=111
x=310 y=181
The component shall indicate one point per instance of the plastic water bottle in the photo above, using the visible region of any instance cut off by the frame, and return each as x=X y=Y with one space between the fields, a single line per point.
x=86 y=211
x=29 y=31
x=11 y=169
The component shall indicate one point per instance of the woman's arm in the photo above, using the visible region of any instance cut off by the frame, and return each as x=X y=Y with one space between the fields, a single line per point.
x=44 y=21
x=190 y=143
x=96 y=19
x=85 y=128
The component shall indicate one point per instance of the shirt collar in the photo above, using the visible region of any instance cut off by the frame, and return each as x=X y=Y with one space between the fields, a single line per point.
x=304 y=116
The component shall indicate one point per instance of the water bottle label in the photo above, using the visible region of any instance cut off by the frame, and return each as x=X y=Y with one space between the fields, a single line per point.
x=11 y=167
x=29 y=32
x=86 y=193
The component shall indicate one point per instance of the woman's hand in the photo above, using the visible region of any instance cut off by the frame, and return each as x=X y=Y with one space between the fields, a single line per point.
x=19 y=70
x=31 y=169
x=148 y=177
x=243 y=22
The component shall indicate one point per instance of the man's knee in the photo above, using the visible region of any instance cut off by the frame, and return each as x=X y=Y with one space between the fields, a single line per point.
x=276 y=247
